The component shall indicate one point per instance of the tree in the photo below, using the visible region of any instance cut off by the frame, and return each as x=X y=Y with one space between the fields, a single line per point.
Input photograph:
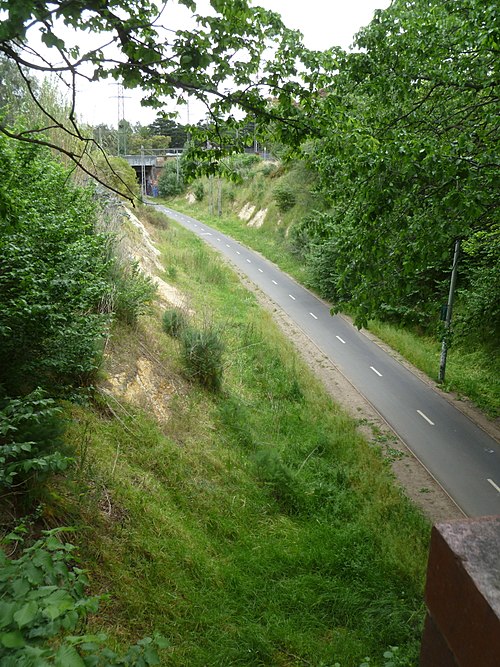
x=410 y=161
x=220 y=61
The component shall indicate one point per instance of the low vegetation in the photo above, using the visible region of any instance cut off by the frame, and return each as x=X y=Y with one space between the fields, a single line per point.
x=264 y=528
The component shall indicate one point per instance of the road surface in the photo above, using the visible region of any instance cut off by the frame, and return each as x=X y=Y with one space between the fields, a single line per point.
x=463 y=458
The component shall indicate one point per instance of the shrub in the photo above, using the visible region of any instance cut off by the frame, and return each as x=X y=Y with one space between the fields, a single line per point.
x=202 y=351
x=43 y=597
x=171 y=181
x=132 y=291
x=174 y=322
x=198 y=190
x=281 y=481
x=284 y=196
x=30 y=436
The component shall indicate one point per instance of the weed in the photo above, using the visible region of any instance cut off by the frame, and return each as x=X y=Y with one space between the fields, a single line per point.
x=174 y=321
x=202 y=352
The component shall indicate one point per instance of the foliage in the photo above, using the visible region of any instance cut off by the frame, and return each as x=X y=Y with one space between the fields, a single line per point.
x=53 y=274
x=132 y=292
x=60 y=279
x=171 y=181
x=198 y=190
x=116 y=173
x=43 y=600
x=174 y=322
x=202 y=352
x=30 y=441
x=409 y=162
x=202 y=61
x=284 y=196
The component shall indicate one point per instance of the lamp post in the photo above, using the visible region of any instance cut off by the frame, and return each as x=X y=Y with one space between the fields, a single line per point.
x=449 y=309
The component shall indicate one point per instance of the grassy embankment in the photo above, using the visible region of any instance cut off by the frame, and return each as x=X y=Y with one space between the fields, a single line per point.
x=253 y=526
x=473 y=373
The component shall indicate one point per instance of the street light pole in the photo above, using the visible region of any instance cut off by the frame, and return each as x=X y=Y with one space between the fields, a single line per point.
x=449 y=309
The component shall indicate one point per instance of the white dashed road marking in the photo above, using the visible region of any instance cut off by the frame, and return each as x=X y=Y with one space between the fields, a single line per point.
x=249 y=261
x=313 y=315
x=376 y=371
x=291 y=297
x=495 y=486
x=261 y=271
x=274 y=282
x=425 y=417
x=340 y=339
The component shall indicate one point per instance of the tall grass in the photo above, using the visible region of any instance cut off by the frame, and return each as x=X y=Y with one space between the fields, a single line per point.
x=255 y=526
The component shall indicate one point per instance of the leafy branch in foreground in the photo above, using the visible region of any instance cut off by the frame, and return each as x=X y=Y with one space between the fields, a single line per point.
x=221 y=60
x=43 y=600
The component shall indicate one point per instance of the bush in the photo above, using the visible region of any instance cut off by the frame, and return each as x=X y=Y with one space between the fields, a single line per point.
x=174 y=322
x=281 y=481
x=284 y=196
x=198 y=190
x=202 y=351
x=43 y=597
x=171 y=181
x=132 y=291
x=30 y=436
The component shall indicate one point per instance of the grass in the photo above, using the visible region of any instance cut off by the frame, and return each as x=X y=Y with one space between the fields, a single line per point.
x=254 y=526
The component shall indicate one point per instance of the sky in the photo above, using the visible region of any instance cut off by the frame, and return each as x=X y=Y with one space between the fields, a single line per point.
x=324 y=23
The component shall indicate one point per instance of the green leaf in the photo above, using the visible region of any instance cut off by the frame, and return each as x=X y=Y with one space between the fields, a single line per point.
x=7 y=610
x=12 y=639
x=68 y=656
x=26 y=614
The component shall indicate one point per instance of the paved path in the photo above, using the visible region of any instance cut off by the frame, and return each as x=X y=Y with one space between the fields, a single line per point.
x=462 y=457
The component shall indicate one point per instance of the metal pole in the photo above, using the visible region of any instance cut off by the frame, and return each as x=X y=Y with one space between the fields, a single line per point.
x=449 y=310
x=143 y=173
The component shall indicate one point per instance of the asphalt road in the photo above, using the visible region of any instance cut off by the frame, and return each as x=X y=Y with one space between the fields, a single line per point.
x=462 y=457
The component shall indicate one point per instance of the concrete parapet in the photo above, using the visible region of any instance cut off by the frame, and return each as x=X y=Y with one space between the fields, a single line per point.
x=462 y=627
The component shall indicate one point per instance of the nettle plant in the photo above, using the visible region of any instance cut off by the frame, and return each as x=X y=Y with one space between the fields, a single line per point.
x=43 y=601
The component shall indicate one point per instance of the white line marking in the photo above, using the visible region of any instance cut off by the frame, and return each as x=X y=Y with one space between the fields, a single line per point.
x=313 y=315
x=340 y=339
x=425 y=417
x=376 y=371
x=249 y=261
x=494 y=485
x=261 y=271
x=291 y=296
x=227 y=245
x=207 y=234
x=238 y=252
x=196 y=225
x=218 y=239
x=274 y=282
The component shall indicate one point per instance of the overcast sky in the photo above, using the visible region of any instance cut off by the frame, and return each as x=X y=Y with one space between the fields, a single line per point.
x=324 y=23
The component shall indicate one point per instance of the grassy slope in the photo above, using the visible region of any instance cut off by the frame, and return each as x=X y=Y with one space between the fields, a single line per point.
x=254 y=527
x=471 y=373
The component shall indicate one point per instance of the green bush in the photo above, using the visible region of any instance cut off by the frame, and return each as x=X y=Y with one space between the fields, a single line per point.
x=43 y=601
x=30 y=441
x=132 y=291
x=174 y=321
x=202 y=352
x=198 y=190
x=171 y=181
x=281 y=481
x=284 y=197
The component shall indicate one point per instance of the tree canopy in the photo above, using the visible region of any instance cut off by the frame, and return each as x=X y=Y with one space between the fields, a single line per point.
x=236 y=56
x=410 y=163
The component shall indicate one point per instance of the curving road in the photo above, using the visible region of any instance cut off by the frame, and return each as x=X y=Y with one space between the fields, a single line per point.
x=462 y=457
